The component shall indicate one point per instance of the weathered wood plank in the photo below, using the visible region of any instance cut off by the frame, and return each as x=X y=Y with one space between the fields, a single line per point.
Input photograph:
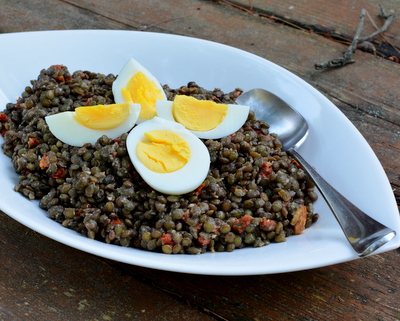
x=41 y=279
x=44 y=279
x=364 y=290
x=327 y=18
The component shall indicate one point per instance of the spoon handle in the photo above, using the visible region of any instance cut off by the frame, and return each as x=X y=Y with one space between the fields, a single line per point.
x=362 y=231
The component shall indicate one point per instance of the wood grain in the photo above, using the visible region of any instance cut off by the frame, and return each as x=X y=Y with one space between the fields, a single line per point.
x=42 y=279
x=330 y=19
x=333 y=293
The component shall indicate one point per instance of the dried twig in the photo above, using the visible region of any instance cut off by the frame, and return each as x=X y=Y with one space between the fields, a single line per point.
x=388 y=20
x=348 y=54
x=376 y=27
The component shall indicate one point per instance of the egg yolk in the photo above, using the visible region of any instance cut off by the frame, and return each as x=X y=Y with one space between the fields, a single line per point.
x=145 y=92
x=198 y=115
x=163 y=152
x=102 y=116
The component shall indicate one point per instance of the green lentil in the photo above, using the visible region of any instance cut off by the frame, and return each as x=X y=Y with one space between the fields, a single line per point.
x=101 y=195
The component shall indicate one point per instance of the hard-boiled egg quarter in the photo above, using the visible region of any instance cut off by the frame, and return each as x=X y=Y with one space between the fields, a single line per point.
x=167 y=156
x=88 y=124
x=135 y=83
x=204 y=118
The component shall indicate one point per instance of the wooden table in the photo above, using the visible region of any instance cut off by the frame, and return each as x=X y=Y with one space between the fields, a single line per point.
x=43 y=280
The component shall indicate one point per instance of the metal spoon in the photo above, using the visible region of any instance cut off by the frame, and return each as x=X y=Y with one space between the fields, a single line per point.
x=363 y=232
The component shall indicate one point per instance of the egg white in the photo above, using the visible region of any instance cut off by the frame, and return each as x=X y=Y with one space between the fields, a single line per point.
x=127 y=72
x=182 y=181
x=235 y=118
x=64 y=127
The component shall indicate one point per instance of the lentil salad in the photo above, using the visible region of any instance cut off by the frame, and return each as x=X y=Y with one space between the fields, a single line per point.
x=254 y=194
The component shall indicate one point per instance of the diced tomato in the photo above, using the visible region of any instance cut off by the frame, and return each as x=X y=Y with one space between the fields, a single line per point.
x=259 y=132
x=33 y=141
x=3 y=117
x=44 y=162
x=266 y=169
x=90 y=99
x=198 y=189
x=166 y=238
x=267 y=224
x=185 y=216
x=60 y=173
x=241 y=223
x=60 y=79
x=296 y=163
x=58 y=67
x=116 y=221
x=18 y=103
x=299 y=220
x=216 y=230
x=198 y=226
x=203 y=241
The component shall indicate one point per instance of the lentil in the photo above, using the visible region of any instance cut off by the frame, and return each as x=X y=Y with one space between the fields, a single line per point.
x=248 y=199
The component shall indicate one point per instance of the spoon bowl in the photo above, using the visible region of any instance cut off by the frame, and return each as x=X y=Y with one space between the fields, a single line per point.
x=364 y=233
x=283 y=120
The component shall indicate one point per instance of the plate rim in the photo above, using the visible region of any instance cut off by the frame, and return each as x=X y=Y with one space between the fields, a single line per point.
x=394 y=243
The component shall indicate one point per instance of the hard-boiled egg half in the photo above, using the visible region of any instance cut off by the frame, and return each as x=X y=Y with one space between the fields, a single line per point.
x=204 y=118
x=88 y=124
x=167 y=156
x=135 y=83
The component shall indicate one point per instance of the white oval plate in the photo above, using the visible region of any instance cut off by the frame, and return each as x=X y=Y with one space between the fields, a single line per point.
x=334 y=146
